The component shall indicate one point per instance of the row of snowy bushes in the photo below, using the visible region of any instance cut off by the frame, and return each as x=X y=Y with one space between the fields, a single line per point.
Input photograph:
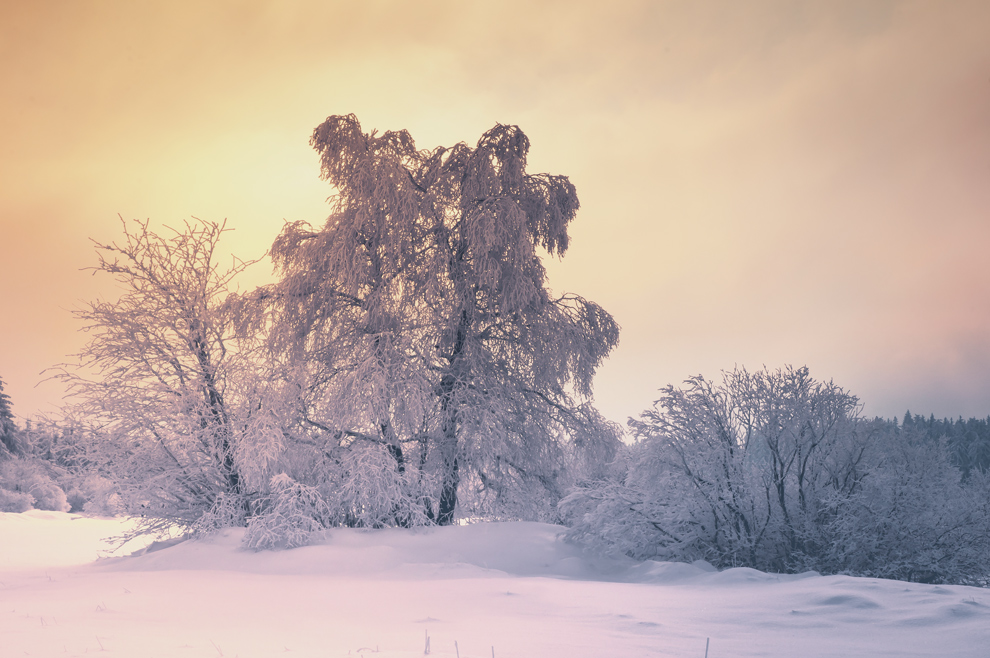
x=40 y=470
x=771 y=470
x=774 y=470
x=31 y=483
x=410 y=366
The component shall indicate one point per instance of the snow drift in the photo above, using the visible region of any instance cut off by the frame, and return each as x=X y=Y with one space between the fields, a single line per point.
x=508 y=589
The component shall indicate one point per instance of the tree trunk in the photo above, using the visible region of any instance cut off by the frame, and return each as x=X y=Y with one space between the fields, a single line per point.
x=218 y=421
x=448 y=405
x=450 y=477
x=448 y=493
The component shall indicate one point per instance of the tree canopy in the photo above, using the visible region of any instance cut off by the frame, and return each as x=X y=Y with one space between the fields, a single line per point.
x=421 y=315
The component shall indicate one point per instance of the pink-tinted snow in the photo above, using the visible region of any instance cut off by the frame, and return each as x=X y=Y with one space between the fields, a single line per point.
x=513 y=589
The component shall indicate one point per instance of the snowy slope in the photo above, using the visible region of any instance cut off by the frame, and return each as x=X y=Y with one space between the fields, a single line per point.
x=510 y=588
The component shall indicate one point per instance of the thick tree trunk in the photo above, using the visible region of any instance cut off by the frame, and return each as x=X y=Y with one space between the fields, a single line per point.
x=448 y=493
x=450 y=477
x=448 y=404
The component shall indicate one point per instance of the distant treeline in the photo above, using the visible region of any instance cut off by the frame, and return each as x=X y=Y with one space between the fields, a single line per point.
x=968 y=440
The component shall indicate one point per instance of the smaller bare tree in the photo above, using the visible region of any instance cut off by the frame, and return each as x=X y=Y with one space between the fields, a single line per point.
x=156 y=379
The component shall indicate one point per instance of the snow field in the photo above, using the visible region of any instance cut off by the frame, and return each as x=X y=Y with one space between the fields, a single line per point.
x=513 y=587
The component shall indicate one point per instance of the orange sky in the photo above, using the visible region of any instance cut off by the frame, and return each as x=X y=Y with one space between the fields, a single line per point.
x=761 y=182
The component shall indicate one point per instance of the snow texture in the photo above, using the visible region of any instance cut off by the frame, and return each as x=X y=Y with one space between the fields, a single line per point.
x=502 y=589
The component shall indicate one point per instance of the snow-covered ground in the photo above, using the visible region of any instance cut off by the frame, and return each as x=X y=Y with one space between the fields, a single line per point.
x=505 y=589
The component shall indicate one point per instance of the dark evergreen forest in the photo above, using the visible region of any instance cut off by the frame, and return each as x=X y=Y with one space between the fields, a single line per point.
x=968 y=440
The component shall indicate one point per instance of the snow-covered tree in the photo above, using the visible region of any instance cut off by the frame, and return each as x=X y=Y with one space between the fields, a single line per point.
x=418 y=318
x=162 y=380
x=733 y=472
x=8 y=428
x=25 y=481
x=913 y=516
x=776 y=471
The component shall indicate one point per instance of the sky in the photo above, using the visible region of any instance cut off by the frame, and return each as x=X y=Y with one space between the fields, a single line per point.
x=762 y=183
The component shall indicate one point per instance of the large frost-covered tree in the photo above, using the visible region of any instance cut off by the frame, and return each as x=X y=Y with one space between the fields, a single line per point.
x=417 y=323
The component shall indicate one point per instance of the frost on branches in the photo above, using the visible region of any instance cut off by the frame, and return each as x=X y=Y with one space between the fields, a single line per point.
x=776 y=471
x=168 y=394
x=409 y=365
x=418 y=331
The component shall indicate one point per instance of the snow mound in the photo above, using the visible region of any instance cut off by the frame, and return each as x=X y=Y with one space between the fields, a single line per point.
x=508 y=589
x=516 y=549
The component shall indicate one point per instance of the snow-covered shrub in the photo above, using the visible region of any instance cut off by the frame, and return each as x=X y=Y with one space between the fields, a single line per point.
x=227 y=511
x=92 y=494
x=15 y=501
x=367 y=489
x=520 y=483
x=912 y=517
x=510 y=499
x=291 y=514
x=633 y=517
x=53 y=468
x=32 y=477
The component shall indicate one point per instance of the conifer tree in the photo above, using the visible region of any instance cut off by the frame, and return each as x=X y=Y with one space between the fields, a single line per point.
x=8 y=428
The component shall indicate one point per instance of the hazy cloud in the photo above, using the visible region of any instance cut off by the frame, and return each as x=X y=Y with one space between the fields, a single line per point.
x=765 y=182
